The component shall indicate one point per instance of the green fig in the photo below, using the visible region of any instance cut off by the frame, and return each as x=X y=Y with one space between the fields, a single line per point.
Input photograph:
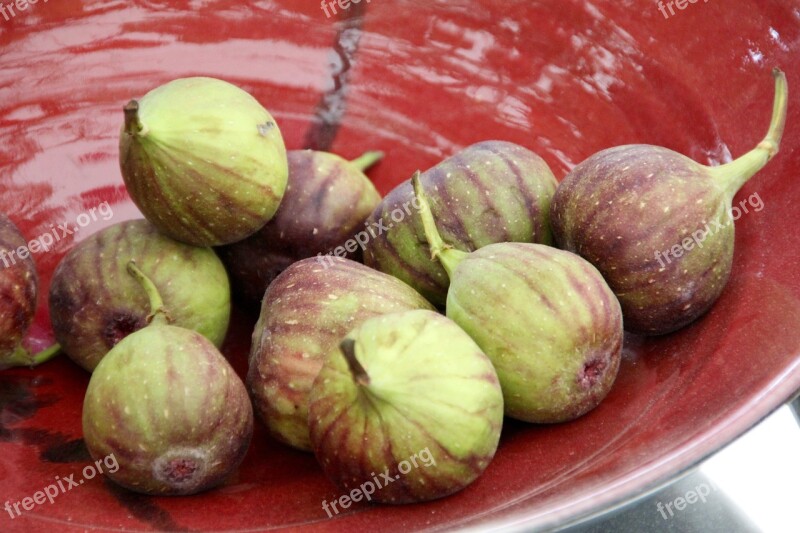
x=545 y=317
x=326 y=203
x=203 y=160
x=306 y=312
x=490 y=192
x=94 y=303
x=19 y=285
x=168 y=406
x=659 y=226
x=399 y=388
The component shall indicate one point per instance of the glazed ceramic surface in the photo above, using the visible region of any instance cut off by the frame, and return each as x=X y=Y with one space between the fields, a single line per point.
x=418 y=80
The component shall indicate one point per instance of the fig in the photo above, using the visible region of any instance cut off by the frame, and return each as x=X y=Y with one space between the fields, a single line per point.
x=545 y=317
x=659 y=226
x=168 y=406
x=306 y=312
x=19 y=285
x=203 y=160
x=403 y=387
x=490 y=192
x=94 y=303
x=326 y=203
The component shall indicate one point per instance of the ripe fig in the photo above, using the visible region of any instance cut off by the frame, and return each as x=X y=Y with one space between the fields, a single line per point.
x=545 y=317
x=490 y=192
x=19 y=286
x=169 y=407
x=203 y=160
x=403 y=387
x=94 y=303
x=326 y=202
x=306 y=312
x=659 y=226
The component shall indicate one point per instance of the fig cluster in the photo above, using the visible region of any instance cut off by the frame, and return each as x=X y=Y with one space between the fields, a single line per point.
x=498 y=293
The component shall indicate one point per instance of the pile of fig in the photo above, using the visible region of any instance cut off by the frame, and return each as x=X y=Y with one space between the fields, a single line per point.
x=491 y=290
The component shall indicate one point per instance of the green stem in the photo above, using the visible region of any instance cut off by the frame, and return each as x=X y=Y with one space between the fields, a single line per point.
x=22 y=357
x=348 y=348
x=448 y=256
x=132 y=123
x=367 y=160
x=158 y=314
x=734 y=175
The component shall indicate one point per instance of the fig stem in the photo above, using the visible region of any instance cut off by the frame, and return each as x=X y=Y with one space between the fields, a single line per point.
x=22 y=357
x=158 y=314
x=365 y=161
x=448 y=256
x=348 y=348
x=734 y=175
x=132 y=123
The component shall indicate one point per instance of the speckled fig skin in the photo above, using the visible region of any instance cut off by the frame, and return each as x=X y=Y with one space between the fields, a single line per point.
x=326 y=202
x=415 y=400
x=94 y=303
x=171 y=410
x=618 y=220
x=658 y=226
x=549 y=323
x=306 y=311
x=490 y=192
x=18 y=292
x=203 y=160
x=545 y=318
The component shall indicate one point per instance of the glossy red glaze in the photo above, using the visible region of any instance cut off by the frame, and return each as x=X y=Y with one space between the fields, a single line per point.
x=419 y=80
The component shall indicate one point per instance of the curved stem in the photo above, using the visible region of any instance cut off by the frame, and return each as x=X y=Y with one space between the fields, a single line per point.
x=132 y=123
x=22 y=357
x=448 y=256
x=734 y=175
x=158 y=314
x=367 y=160
x=348 y=348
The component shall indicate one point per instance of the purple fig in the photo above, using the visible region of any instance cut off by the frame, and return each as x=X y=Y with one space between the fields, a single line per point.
x=203 y=160
x=659 y=226
x=306 y=312
x=94 y=303
x=410 y=398
x=326 y=202
x=545 y=318
x=19 y=285
x=168 y=407
x=490 y=192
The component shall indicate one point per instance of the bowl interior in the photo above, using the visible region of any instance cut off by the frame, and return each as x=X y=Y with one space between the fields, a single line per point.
x=418 y=80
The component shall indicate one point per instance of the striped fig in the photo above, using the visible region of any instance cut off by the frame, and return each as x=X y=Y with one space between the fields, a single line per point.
x=545 y=317
x=490 y=192
x=203 y=160
x=19 y=286
x=94 y=303
x=659 y=226
x=168 y=406
x=401 y=388
x=306 y=312
x=326 y=202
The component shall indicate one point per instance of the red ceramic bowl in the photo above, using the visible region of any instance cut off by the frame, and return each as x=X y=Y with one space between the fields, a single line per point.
x=419 y=80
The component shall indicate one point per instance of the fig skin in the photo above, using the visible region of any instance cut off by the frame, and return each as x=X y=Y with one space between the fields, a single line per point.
x=203 y=160
x=624 y=207
x=306 y=312
x=94 y=303
x=170 y=408
x=327 y=201
x=549 y=323
x=406 y=383
x=545 y=317
x=19 y=285
x=490 y=192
